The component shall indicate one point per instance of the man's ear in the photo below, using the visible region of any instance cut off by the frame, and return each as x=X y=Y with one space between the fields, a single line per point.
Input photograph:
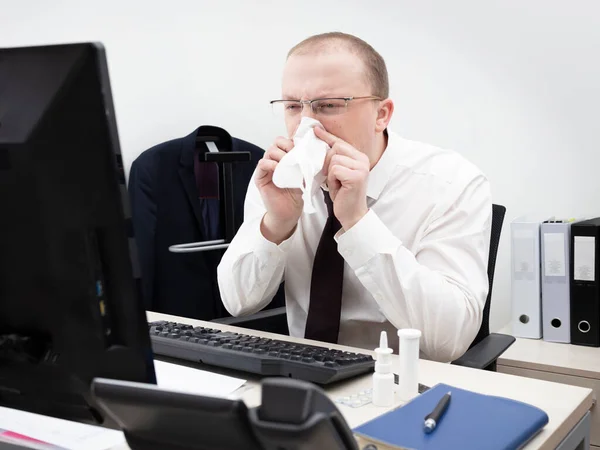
x=384 y=114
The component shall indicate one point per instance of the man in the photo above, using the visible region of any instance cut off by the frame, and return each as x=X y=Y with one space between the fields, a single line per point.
x=412 y=222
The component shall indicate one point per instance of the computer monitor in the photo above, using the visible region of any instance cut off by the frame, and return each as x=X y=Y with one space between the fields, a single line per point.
x=69 y=310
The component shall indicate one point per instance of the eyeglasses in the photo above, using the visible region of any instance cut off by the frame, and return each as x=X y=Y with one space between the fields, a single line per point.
x=320 y=106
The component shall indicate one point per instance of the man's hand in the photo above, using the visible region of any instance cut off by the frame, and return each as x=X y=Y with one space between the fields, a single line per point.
x=347 y=171
x=284 y=206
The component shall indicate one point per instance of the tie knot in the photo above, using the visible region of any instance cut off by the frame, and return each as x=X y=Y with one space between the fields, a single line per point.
x=328 y=202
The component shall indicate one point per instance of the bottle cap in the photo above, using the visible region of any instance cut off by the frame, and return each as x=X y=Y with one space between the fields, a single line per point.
x=383 y=355
x=409 y=333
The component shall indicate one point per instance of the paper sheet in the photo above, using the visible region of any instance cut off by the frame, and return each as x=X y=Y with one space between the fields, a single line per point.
x=193 y=381
x=62 y=434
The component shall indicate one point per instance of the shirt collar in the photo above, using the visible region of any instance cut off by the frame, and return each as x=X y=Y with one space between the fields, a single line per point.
x=383 y=170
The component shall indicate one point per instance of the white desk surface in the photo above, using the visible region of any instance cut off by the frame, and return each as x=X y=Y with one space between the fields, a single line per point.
x=537 y=354
x=565 y=404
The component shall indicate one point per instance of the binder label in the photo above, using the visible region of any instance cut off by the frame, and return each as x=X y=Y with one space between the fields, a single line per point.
x=584 y=258
x=524 y=255
x=554 y=255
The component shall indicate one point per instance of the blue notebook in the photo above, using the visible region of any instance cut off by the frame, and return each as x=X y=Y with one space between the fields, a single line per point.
x=472 y=421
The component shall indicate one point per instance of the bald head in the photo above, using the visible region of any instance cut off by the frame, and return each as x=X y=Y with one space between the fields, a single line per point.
x=375 y=70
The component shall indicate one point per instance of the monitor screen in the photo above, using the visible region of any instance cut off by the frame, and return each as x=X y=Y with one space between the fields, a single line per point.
x=69 y=308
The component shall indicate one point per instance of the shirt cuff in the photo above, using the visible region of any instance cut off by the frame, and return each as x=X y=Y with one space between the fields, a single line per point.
x=264 y=247
x=366 y=239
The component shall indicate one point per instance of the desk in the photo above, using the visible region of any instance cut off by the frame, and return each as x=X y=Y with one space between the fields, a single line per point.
x=562 y=363
x=565 y=405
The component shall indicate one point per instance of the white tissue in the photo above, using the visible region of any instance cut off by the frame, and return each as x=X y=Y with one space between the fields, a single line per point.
x=302 y=166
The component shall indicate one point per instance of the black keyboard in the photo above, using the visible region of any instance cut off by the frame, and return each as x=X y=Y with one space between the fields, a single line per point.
x=267 y=357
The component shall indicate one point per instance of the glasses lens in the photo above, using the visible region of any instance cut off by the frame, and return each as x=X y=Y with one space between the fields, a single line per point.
x=330 y=107
x=287 y=108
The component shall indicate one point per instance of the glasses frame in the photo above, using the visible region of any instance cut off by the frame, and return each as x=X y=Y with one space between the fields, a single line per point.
x=312 y=102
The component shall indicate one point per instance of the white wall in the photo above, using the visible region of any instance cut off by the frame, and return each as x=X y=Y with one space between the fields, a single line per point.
x=511 y=84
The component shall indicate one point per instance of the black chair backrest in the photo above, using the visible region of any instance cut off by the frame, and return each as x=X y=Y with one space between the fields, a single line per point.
x=498 y=212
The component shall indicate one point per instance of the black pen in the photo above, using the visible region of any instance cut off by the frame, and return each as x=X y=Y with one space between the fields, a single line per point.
x=432 y=419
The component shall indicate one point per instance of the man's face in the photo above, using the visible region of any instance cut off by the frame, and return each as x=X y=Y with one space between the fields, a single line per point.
x=332 y=74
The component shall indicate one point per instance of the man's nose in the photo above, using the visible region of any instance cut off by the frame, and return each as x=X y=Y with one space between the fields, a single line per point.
x=307 y=111
x=293 y=128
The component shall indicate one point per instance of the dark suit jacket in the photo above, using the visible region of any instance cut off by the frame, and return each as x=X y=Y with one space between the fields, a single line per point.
x=166 y=210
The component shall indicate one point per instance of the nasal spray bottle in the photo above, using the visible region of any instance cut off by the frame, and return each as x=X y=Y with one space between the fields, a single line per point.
x=383 y=378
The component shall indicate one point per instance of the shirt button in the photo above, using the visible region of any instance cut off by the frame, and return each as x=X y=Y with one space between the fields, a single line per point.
x=350 y=251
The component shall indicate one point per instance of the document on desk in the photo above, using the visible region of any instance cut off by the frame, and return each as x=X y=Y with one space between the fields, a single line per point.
x=174 y=377
x=53 y=433
x=49 y=433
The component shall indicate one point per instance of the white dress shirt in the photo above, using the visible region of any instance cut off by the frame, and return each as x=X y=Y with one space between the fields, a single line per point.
x=417 y=259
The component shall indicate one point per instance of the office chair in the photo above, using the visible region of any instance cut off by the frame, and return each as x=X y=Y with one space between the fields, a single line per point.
x=482 y=353
x=272 y=320
x=487 y=347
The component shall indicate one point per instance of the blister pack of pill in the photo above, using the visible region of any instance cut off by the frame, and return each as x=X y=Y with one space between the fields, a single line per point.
x=356 y=400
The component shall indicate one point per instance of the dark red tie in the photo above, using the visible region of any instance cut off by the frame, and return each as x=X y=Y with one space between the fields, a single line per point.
x=323 y=322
